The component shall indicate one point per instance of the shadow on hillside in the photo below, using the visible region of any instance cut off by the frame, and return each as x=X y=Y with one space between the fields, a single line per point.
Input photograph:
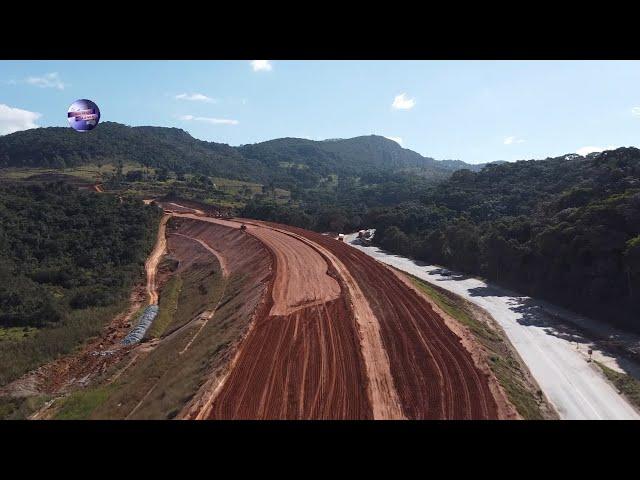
x=491 y=291
x=451 y=275
x=533 y=314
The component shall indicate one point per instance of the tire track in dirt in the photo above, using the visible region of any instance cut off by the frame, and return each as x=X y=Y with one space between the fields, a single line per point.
x=302 y=278
x=434 y=375
x=303 y=359
x=306 y=360
x=151 y=265
x=381 y=389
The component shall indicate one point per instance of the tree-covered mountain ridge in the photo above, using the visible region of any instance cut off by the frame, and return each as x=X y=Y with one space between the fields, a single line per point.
x=566 y=229
x=283 y=160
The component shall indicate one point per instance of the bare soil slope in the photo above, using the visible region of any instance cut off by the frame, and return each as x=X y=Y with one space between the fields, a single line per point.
x=318 y=354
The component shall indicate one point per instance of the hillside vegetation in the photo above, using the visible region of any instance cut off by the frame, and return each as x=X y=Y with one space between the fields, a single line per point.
x=288 y=163
x=566 y=229
x=68 y=260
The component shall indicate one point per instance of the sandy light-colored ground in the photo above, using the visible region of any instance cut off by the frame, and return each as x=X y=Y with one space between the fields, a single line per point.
x=151 y=265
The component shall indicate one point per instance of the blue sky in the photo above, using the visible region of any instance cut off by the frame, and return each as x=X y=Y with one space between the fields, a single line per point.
x=475 y=111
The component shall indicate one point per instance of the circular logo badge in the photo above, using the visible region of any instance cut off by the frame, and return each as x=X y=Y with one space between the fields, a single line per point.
x=83 y=115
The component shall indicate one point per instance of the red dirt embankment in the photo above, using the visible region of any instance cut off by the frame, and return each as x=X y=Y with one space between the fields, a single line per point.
x=301 y=359
x=370 y=348
x=433 y=373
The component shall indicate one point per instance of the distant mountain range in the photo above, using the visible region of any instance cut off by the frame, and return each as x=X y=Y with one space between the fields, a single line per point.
x=280 y=160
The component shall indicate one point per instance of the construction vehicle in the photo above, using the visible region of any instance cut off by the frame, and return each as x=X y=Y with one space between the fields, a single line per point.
x=366 y=238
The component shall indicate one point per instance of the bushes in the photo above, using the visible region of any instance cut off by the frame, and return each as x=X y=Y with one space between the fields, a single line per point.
x=67 y=258
x=95 y=296
x=566 y=230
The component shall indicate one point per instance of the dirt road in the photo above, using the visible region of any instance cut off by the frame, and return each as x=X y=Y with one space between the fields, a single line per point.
x=151 y=265
x=301 y=358
x=434 y=374
x=302 y=278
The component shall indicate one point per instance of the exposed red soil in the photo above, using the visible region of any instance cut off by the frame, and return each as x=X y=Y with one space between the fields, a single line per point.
x=434 y=374
x=302 y=278
x=151 y=265
x=305 y=363
x=183 y=205
x=334 y=333
x=381 y=390
x=479 y=354
x=234 y=247
x=431 y=373
x=79 y=368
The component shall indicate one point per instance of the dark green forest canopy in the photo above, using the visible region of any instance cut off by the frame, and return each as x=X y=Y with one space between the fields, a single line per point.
x=288 y=162
x=566 y=229
x=62 y=249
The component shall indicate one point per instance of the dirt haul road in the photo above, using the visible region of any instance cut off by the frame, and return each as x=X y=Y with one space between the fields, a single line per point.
x=151 y=265
x=343 y=337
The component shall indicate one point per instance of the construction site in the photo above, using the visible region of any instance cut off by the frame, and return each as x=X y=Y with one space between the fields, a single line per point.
x=244 y=319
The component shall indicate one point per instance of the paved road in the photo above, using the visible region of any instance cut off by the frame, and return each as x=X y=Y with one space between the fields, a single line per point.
x=575 y=387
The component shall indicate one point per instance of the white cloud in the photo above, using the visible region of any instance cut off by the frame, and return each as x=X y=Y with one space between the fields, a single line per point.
x=635 y=111
x=398 y=140
x=512 y=140
x=48 y=80
x=16 y=119
x=591 y=149
x=261 y=65
x=195 y=97
x=401 y=102
x=214 y=121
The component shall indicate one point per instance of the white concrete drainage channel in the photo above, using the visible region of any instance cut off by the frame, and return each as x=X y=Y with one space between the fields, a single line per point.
x=144 y=322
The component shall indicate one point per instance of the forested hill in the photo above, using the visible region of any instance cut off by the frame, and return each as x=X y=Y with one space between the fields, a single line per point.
x=352 y=156
x=286 y=161
x=566 y=229
x=171 y=148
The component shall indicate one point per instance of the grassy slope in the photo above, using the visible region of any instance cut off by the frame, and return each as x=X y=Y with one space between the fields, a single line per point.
x=21 y=356
x=231 y=193
x=15 y=334
x=166 y=379
x=20 y=408
x=628 y=385
x=168 y=307
x=80 y=404
x=502 y=360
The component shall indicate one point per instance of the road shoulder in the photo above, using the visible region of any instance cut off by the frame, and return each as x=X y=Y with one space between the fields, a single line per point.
x=514 y=388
